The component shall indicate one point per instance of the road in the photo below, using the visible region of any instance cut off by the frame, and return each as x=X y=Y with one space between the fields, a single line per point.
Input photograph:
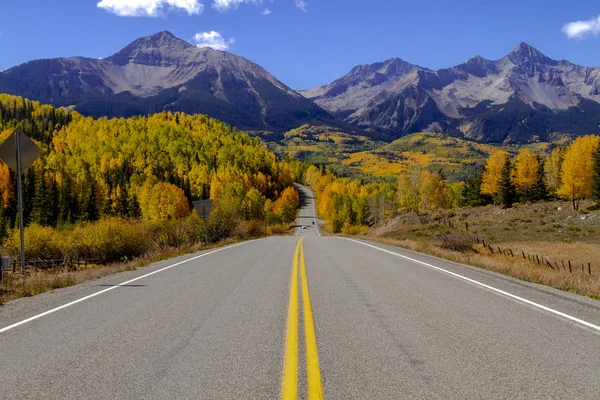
x=304 y=316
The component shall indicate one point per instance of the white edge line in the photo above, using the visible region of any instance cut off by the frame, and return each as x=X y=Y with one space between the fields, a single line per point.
x=502 y=292
x=25 y=321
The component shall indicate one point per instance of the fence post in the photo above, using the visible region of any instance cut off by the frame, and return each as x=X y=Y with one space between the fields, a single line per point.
x=589 y=268
x=570 y=269
x=538 y=259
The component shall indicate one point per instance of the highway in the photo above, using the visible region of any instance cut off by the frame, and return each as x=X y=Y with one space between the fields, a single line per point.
x=303 y=316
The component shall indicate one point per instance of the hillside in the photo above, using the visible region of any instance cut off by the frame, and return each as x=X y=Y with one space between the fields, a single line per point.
x=163 y=73
x=360 y=156
x=148 y=167
x=523 y=97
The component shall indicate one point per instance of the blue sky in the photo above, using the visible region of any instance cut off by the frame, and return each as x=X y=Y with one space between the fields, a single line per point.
x=306 y=43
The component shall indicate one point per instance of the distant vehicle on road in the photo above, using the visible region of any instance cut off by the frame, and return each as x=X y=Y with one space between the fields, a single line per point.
x=304 y=227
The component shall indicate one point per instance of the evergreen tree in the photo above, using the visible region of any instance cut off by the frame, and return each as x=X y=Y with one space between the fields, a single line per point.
x=540 y=189
x=135 y=210
x=53 y=202
x=471 y=193
x=42 y=204
x=29 y=183
x=122 y=201
x=506 y=187
x=65 y=204
x=89 y=207
x=596 y=180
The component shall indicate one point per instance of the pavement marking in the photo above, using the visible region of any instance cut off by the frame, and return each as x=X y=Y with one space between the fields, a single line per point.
x=25 y=321
x=290 y=371
x=502 y=292
x=315 y=390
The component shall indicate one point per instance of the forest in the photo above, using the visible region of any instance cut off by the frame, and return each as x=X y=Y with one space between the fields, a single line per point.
x=141 y=169
x=570 y=172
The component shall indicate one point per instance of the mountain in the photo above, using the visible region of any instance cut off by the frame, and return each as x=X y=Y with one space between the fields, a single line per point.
x=525 y=96
x=162 y=72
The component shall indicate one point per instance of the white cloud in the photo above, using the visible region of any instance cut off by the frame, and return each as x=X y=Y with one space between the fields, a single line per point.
x=303 y=5
x=266 y=11
x=582 y=29
x=213 y=39
x=150 y=8
x=226 y=5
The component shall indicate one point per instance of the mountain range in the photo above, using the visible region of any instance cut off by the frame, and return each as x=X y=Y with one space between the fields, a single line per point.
x=522 y=97
x=162 y=72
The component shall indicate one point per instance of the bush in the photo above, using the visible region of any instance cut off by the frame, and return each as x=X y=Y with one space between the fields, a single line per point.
x=458 y=242
x=168 y=234
x=112 y=239
x=41 y=243
x=250 y=229
x=277 y=229
x=357 y=230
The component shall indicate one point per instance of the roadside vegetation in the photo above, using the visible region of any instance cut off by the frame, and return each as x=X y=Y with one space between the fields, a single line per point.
x=538 y=213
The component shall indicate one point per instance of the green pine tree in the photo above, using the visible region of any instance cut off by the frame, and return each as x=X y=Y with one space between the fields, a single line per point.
x=506 y=187
x=122 y=202
x=539 y=191
x=471 y=193
x=89 y=206
x=135 y=210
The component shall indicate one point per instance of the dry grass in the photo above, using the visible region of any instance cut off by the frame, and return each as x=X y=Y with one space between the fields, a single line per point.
x=551 y=230
x=577 y=282
x=12 y=287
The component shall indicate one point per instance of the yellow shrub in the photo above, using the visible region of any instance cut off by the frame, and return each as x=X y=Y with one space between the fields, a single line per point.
x=111 y=239
x=41 y=243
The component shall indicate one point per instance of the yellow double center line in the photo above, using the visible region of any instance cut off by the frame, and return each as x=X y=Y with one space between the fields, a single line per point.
x=290 y=372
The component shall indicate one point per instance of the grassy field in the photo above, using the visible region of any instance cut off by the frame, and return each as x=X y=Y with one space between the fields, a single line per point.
x=551 y=232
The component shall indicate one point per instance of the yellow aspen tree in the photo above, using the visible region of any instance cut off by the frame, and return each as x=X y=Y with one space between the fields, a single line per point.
x=525 y=173
x=492 y=172
x=578 y=169
x=6 y=187
x=433 y=193
x=408 y=192
x=554 y=170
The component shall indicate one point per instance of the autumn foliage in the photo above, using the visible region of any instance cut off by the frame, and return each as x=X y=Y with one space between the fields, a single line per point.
x=147 y=168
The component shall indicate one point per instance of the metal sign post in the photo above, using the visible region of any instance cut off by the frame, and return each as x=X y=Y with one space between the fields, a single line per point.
x=203 y=207
x=19 y=154
x=17 y=134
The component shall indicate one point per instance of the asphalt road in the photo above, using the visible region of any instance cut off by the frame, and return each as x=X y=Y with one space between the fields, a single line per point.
x=302 y=315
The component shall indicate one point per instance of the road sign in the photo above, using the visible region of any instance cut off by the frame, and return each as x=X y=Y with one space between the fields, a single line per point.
x=203 y=207
x=19 y=152
x=29 y=151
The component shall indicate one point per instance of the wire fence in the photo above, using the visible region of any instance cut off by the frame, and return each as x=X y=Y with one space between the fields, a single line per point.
x=565 y=265
x=9 y=267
